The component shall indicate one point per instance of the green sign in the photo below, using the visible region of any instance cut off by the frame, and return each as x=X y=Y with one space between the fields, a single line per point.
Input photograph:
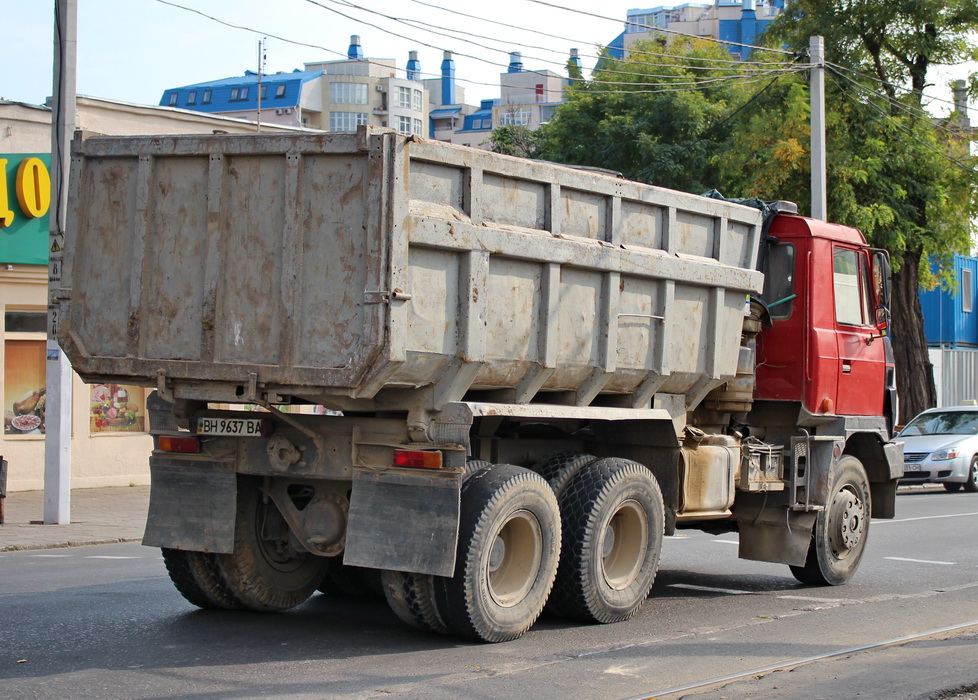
x=25 y=203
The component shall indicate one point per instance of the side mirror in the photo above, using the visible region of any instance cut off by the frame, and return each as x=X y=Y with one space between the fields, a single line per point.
x=883 y=320
x=881 y=278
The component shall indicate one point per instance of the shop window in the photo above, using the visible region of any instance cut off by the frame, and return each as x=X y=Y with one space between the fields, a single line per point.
x=117 y=408
x=24 y=395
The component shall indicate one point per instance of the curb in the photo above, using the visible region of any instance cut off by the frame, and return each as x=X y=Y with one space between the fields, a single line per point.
x=66 y=545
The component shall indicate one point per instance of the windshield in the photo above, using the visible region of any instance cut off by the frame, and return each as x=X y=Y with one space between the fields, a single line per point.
x=950 y=423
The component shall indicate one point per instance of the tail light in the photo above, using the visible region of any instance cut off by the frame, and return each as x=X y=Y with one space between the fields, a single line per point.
x=430 y=459
x=178 y=443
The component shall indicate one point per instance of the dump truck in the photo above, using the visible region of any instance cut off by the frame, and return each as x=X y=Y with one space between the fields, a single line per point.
x=485 y=385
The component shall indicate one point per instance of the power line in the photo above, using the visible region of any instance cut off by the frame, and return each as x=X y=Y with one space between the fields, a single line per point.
x=657 y=29
x=888 y=84
x=585 y=42
x=897 y=125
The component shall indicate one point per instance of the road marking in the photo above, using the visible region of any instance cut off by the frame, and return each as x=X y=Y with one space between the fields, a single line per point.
x=922 y=561
x=923 y=517
x=107 y=557
x=709 y=589
x=813 y=599
x=726 y=542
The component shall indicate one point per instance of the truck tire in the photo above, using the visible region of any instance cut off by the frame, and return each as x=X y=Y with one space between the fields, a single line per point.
x=196 y=577
x=559 y=468
x=508 y=547
x=411 y=597
x=613 y=520
x=840 y=532
x=264 y=572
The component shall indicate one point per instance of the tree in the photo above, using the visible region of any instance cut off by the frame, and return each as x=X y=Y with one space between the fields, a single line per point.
x=905 y=179
x=514 y=140
x=653 y=116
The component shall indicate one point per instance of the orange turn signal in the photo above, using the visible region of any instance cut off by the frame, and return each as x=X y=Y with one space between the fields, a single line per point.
x=418 y=458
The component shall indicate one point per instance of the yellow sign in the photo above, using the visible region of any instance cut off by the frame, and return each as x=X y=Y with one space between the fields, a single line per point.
x=32 y=184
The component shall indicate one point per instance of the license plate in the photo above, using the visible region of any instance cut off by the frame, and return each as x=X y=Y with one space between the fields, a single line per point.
x=245 y=427
x=911 y=468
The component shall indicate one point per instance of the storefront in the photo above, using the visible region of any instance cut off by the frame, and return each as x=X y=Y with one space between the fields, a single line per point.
x=109 y=443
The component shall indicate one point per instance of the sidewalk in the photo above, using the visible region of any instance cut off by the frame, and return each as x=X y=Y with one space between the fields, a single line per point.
x=98 y=516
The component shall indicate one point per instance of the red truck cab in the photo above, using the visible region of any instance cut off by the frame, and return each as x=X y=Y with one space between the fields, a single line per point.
x=826 y=293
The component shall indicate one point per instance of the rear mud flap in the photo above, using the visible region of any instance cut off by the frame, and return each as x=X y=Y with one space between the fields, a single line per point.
x=773 y=533
x=405 y=521
x=191 y=505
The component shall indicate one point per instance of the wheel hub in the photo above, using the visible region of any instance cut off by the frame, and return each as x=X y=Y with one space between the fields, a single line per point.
x=846 y=522
x=626 y=540
x=514 y=559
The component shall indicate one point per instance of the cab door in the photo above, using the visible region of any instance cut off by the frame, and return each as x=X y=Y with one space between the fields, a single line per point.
x=862 y=360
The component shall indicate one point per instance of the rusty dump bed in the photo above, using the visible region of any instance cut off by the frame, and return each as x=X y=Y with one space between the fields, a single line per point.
x=339 y=266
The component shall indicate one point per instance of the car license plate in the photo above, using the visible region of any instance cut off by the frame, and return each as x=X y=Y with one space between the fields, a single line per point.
x=245 y=427
x=911 y=468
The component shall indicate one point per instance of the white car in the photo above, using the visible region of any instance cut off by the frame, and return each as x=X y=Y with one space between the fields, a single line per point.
x=940 y=446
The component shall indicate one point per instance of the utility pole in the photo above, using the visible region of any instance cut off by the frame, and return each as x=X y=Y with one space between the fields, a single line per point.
x=816 y=52
x=57 y=416
x=261 y=72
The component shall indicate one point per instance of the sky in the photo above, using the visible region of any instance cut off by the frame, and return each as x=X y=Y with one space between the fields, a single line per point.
x=133 y=50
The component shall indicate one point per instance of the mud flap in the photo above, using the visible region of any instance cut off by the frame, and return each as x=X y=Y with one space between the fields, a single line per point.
x=191 y=505
x=404 y=521
x=773 y=533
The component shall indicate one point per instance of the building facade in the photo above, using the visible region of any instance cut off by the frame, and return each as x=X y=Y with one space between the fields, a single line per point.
x=335 y=95
x=110 y=444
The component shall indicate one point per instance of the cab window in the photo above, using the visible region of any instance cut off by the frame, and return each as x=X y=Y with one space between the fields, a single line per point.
x=851 y=288
x=779 y=280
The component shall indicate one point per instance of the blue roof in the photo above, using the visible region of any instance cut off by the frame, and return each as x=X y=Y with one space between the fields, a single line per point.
x=444 y=112
x=240 y=93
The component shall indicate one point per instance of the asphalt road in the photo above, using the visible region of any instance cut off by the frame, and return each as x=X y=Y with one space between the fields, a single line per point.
x=105 y=622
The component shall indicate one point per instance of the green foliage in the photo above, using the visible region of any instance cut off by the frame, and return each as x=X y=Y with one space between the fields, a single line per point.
x=638 y=117
x=514 y=140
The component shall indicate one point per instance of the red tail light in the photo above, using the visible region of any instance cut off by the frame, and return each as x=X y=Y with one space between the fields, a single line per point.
x=175 y=443
x=418 y=458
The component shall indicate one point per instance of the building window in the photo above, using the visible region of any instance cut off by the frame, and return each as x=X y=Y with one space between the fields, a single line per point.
x=967 y=292
x=419 y=126
x=476 y=123
x=192 y=97
x=348 y=93
x=280 y=91
x=346 y=121
x=173 y=99
x=516 y=116
x=234 y=95
x=418 y=101
x=404 y=97
x=24 y=370
x=404 y=125
x=264 y=92
x=206 y=98
x=243 y=95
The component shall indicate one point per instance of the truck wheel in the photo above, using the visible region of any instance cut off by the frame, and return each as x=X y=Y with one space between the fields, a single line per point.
x=971 y=485
x=196 y=577
x=508 y=546
x=840 y=532
x=613 y=520
x=411 y=597
x=558 y=469
x=265 y=572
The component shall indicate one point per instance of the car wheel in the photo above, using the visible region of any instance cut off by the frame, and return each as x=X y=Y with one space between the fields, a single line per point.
x=971 y=485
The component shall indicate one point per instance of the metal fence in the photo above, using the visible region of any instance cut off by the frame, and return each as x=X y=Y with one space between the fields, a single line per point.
x=955 y=374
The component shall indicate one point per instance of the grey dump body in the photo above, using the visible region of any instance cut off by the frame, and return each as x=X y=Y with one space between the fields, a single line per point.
x=344 y=268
